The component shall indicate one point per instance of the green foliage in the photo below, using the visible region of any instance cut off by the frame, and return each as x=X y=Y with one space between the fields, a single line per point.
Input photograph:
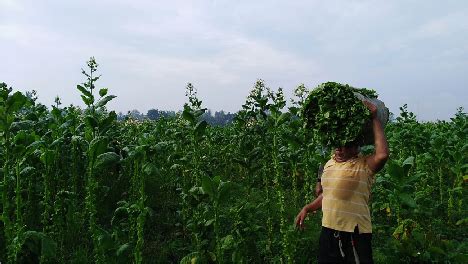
x=78 y=186
x=334 y=115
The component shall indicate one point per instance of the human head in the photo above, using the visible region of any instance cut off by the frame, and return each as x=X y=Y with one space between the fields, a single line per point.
x=346 y=152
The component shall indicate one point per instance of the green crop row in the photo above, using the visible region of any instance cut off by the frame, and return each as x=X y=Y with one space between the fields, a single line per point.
x=78 y=186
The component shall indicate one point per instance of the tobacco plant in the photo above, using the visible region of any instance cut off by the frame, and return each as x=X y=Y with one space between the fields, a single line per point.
x=335 y=115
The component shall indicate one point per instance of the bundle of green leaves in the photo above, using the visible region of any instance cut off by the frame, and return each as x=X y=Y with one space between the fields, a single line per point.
x=335 y=116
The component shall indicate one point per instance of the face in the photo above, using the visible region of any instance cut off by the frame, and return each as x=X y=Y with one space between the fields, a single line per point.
x=345 y=153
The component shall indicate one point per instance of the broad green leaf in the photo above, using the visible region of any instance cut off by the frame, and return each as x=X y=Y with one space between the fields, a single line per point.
x=105 y=240
x=21 y=125
x=190 y=258
x=87 y=100
x=283 y=118
x=150 y=169
x=49 y=247
x=209 y=222
x=3 y=124
x=407 y=164
x=208 y=186
x=187 y=115
x=31 y=240
x=228 y=242
x=409 y=161
x=47 y=157
x=200 y=129
x=91 y=121
x=57 y=113
x=27 y=171
x=123 y=249
x=24 y=138
x=395 y=171
x=105 y=100
x=225 y=191
x=212 y=256
x=103 y=92
x=436 y=250
x=15 y=102
x=107 y=122
x=463 y=221
x=407 y=200
x=84 y=91
x=106 y=160
x=97 y=147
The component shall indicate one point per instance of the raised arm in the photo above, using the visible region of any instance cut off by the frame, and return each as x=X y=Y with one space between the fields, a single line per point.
x=377 y=160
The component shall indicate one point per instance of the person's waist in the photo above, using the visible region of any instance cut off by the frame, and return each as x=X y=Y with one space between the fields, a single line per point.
x=330 y=230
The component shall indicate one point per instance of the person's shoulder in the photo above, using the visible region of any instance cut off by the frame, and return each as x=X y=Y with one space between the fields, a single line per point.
x=329 y=163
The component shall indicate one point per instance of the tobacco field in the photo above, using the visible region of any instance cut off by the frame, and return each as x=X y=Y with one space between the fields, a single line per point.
x=79 y=186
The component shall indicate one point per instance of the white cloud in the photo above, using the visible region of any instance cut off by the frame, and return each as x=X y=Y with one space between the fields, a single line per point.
x=149 y=50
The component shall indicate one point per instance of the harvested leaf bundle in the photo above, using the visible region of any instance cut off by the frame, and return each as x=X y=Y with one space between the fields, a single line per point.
x=335 y=116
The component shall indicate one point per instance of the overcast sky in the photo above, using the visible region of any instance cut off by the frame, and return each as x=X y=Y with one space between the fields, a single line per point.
x=409 y=51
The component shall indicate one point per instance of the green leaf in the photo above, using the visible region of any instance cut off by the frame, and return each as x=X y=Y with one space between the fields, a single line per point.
x=105 y=240
x=395 y=171
x=106 y=160
x=407 y=200
x=103 y=92
x=21 y=125
x=407 y=164
x=463 y=221
x=228 y=242
x=209 y=222
x=104 y=101
x=283 y=118
x=87 y=100
x=212 y=256
x=15 y=102
x=225 y=191
x=84 y=91
x=190 y=258
x=187 y=115
x=91 y=121
x=200 y=129
x=123 y=249
x=47 y=157
x=107 y=122
x=49 y=247
x=27 y=171
x=208 y=186
x=436 y=250
x=24 y=138
x=150 y=169
x=97 y=147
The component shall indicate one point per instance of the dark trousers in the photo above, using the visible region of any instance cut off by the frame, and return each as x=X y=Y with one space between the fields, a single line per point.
x=329 y=248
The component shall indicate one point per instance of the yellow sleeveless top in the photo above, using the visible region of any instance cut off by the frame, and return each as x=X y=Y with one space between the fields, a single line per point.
x=346 y=191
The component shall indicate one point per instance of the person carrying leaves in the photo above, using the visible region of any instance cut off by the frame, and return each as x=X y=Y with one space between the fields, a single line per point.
x=346 y=182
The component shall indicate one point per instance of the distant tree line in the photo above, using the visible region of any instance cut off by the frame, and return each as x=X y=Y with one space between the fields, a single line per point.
x=219 y=118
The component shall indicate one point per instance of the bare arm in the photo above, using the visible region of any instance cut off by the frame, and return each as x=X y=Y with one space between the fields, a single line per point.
x=318 y=189
x=312 y=207
x=318 y=185
x=377 y=160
